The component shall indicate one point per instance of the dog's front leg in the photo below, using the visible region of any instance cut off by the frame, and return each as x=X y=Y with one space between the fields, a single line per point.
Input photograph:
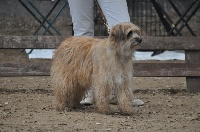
x=124 y=97
x=101 y=93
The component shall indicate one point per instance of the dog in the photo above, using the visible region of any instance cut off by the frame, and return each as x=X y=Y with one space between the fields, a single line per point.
x=102 y=64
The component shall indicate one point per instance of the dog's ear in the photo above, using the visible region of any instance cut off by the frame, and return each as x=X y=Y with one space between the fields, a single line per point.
x=117 y=33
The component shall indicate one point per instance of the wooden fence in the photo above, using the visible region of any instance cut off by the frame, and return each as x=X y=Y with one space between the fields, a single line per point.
x=190 y=68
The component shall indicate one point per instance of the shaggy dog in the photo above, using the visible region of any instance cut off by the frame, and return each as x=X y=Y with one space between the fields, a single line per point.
x=102 y=64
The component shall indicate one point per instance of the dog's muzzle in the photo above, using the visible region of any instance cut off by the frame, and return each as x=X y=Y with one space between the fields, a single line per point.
x=136 y=42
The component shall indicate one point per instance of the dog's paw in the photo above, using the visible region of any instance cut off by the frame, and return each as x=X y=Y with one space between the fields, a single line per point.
x=66 y=109
x=60 y=107
x=126 y=113
x=106 y=111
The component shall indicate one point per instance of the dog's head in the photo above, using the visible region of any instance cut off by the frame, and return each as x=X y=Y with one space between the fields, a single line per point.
x=125 y=37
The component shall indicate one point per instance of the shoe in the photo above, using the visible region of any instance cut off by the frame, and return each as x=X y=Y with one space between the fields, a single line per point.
x=137 y=102
x=89 y=99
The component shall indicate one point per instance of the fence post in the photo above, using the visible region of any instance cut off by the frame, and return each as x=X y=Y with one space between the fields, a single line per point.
x=193 y=82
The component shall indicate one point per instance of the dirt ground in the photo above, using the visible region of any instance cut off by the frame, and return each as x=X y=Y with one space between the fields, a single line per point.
x=26 y=104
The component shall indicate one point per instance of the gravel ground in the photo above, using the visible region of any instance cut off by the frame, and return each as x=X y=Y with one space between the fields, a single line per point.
x=26 y=104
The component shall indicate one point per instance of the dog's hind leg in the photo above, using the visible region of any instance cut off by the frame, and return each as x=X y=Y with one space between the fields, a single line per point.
x=65 y=93
x=64 y=101
x=60 y=100
x=79 y=95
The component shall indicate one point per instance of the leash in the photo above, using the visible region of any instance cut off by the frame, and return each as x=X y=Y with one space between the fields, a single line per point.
x=103 y=17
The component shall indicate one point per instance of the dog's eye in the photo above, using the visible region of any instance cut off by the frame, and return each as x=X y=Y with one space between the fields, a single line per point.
x=129 y=34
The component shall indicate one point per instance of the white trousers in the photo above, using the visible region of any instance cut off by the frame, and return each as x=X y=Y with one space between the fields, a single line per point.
x=82 y=13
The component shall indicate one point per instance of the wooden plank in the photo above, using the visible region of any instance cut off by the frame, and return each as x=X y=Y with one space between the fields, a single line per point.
x=33 y=42
x=165 y=70
x=170 y=43
x=140 y=69
x=193 y=83
x=149 y=43
x=24 y=69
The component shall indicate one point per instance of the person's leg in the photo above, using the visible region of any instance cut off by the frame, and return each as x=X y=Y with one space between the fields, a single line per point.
x=82 y=13
x=115 y=11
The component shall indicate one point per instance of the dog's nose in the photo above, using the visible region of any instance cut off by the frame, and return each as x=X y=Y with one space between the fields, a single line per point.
x=138 y=39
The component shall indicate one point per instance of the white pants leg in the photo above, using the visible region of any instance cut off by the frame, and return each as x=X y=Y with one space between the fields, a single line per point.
x=115 y=11
x=82 y=13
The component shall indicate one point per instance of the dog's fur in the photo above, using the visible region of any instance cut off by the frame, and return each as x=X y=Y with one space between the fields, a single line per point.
x=102 y=64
